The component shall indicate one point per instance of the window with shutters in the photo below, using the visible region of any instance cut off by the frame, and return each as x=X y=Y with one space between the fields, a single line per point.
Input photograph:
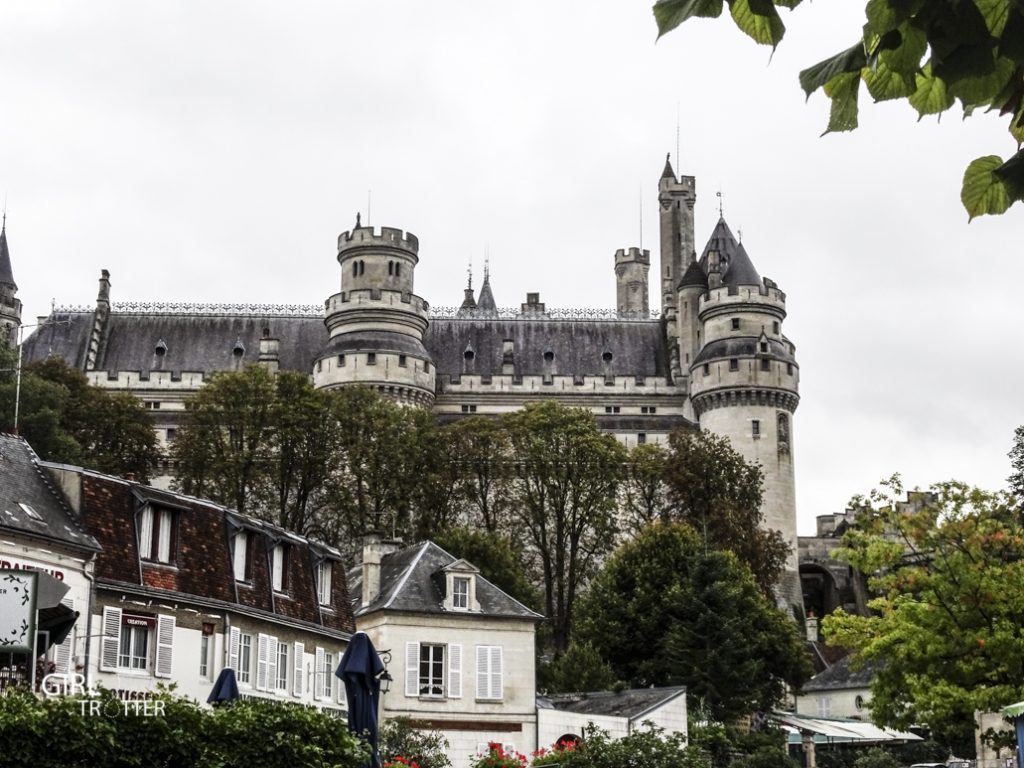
x=134 y=653
x=157 y=534
x=281 y=678
x=489 y=673
x=431 y=676
x=328 y=676
x=245 y=658
x=136 y=642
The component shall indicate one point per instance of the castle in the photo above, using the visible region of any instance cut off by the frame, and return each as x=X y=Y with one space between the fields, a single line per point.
x=711 y=356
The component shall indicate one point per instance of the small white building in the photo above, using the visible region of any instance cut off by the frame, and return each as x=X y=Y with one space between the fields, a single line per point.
x=461 y=650
x=563 y=717
x=841 y=691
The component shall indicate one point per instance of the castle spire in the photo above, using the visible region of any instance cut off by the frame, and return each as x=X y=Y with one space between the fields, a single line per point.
x=486 y=305
x=468 y=302
x=668 y=173
x=6 y=273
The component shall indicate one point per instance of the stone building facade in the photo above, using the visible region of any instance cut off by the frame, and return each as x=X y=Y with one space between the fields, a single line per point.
x=711 y=355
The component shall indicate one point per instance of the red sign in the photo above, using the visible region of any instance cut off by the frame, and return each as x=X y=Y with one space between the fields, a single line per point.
x=137 y=620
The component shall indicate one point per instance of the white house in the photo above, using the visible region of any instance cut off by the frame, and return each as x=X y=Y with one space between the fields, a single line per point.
x=563 y=717
x=461 y=650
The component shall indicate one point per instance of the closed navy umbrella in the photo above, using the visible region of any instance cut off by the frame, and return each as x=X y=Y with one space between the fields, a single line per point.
x=360 y=669
x=225 y=690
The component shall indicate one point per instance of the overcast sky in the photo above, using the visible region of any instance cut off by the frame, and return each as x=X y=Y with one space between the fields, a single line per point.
x=214 y=151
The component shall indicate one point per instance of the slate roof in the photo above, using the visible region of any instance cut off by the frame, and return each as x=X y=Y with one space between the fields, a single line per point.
x=411 y=580
x=841 y=676
x=204 y=572
x=6 y=273
x=633 y=703
x=486 y=302
x=203 y=342
x=741 y=270
x=743 y=346
x=23 y=481
x=694 y=275
x=737 y=268
x=578 y=347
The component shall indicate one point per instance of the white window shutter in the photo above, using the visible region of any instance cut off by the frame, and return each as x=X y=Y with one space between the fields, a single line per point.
x=299 y=663
x=62 y=653
x=271 y=664
x=497 y=673
x=482 y=678
x=111 y=640
x=164 y=645
x=412 y=669
x=240 y=553
x=146 y=532
x=454 y=671
x=262 y=661
x=234 y=638
x=318 y=678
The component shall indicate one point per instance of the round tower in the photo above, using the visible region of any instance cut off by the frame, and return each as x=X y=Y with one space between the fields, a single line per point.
x=10 y=305
x=631 y=283
x=376 y=323
x=744 y=381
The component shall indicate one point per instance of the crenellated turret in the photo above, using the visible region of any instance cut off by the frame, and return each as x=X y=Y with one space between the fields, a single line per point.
x=631 y=282
x=10 y=305
x=744 y=380
x=676 y=198
x=376 y=323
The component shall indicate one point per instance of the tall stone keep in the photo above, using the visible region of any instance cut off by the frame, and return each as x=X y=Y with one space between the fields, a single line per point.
x=676 y=198
x=744 y=381
x=376 y=323
x=10 y=305
x=631 y=282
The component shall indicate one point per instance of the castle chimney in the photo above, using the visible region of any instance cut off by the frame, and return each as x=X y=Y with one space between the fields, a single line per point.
x=375 y=549
x=811 y=623
x=269 y=352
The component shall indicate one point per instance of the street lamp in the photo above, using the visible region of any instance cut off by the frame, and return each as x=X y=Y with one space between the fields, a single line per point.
x=385 y=677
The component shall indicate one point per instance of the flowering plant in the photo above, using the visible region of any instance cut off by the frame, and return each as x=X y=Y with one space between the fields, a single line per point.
x=497 y=757
x=560 y=753
x=401 y=762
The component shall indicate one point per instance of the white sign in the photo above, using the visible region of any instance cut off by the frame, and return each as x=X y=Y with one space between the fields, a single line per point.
x=17 y=611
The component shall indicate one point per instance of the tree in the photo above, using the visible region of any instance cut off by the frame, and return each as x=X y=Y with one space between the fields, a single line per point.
x=478 y=451
x=67 y=420
x=1016 y=479
x=644 y=492
x=930 y=52
x=566 y=475
x=714 y=489
x=947 y=631
x=666 y=611
x=581 y=668
x=223 y=451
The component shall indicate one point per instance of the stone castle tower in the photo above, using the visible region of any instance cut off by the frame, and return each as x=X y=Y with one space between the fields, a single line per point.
x=726 y=321
x=10 y=305
x=376 y=323
x=631 y=282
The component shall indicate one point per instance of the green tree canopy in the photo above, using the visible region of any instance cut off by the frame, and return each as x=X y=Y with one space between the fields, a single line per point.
x=566 y=475
x=947 y=630
x=713 y=488
x=666 y=610
x=931 y=53
x=1016 y=479
x=65 y=419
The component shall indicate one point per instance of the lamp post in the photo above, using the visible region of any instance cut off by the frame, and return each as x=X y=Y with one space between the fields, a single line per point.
x=385 y=677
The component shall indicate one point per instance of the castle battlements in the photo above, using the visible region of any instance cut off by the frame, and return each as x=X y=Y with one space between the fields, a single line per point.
x=186 y=381
x=377 y=298
x=555 y=385
x=387 y=237
x=632 y=255
x=732 y=298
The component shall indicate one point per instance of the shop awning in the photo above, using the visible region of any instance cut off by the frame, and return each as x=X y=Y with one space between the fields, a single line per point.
x=835 y=730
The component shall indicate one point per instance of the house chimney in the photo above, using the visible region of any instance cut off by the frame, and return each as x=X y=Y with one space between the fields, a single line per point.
x=811 y=623
x=375 y=549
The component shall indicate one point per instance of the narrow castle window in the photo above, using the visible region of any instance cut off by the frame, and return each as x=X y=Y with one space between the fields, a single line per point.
x=789 y=368
x=775 y=326
x=764 y=346
x=341 y=360
x=398 y=269
x=391 y=267
x=641 y=438
x=707 y=369
x=734 y=364
x=765 y=364
x=401 y=361
x=371 y=358
x=355 y=269
x=755 y=429
x=735 y=323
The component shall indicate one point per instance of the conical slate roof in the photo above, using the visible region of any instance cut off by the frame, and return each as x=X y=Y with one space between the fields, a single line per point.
x=6 y=273
x=721 y=240
x=741 y=270
x=694 y=276
x=468 y=302
x=668 y=173
x=485 y=305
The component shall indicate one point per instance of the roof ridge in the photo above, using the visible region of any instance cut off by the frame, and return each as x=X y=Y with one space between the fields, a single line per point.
x=405 y=576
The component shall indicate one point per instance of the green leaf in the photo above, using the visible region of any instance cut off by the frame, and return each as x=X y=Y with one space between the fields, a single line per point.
x=850 y=60
x=759 y=20
x=984 y=192
x=843 y=89
x=881 y=17
x=995 y=13
x=885 y=84
x=980 y=91
x=905 y=58
x=669 y=14
x=791 y=4
x=1017 y=126
x=1012 y=43
x=931 y=96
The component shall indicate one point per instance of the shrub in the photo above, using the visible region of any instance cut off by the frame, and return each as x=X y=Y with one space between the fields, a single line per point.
x=876 y=757
x=402 y=744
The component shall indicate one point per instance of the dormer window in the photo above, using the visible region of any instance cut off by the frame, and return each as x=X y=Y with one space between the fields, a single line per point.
x=156 y=534
x=460 y=593
x=279 y=568
x=240 y=558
